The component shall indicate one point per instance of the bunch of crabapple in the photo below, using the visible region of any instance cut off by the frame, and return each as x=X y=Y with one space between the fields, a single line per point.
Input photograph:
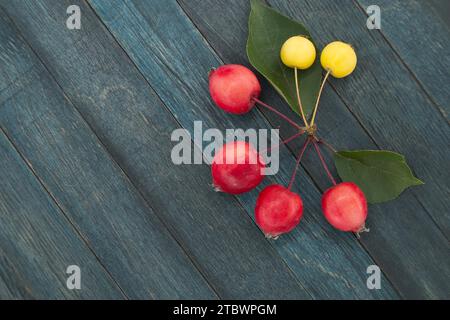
x=237 y=167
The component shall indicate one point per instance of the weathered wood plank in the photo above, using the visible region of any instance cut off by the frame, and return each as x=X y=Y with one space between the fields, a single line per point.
x=386 y=99
x=136 y=127
x=126 y=235
x=227 y=34
x=38 y=243
x=175 y=60
x=6 y=293
x=336 y=123
x=421 y=39
x=441 y=8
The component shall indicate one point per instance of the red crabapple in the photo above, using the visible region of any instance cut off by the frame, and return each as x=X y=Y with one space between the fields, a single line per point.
x=278 y=210
x=232 y=88
x=237 y=168
x=345 y=207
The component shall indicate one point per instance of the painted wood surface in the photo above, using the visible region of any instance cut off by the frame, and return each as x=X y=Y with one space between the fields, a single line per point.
x=343 y=130
x=387 y=100
x=39 y=243
x=136 y=127
x=420 y=38
x=91 y=112
x=148 y=43
x=89 y=187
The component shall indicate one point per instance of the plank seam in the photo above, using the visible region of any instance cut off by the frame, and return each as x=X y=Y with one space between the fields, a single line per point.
x=373 y=139
x=413 y=75
x=267 y=120
x=172 y=115
x=30 y=167
x=71 y=223
x=360 y=122
x=377 y=145
x=105 y=149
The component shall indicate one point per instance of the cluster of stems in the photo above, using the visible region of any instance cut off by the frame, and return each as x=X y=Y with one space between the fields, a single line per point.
x=309 y=128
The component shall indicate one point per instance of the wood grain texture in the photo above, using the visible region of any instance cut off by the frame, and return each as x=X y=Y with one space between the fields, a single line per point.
x=38 y=242
x=176 y=66
x=135 y=127
x=420 y=37
x=90 y=188
x=387 y=100
x=388 y=237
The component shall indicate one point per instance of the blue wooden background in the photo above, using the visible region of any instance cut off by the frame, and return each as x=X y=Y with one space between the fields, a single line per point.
x=86 y=178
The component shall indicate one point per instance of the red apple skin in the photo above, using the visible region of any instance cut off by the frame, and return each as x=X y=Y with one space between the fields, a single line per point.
x=345 y=207
x=237 y=168
x=278 y=210
x=232 y=88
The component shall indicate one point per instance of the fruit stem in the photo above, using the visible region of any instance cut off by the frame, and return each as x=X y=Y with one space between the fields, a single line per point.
x=298 y=98
x=298 y=134
x=324 y=163
x=326 y=144
x=361 y=230
x=299 y=158
x=278 y=113
x=318 y=97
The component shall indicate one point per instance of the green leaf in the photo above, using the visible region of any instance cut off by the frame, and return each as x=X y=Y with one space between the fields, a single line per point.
x=268 y=30
x=382 y=175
